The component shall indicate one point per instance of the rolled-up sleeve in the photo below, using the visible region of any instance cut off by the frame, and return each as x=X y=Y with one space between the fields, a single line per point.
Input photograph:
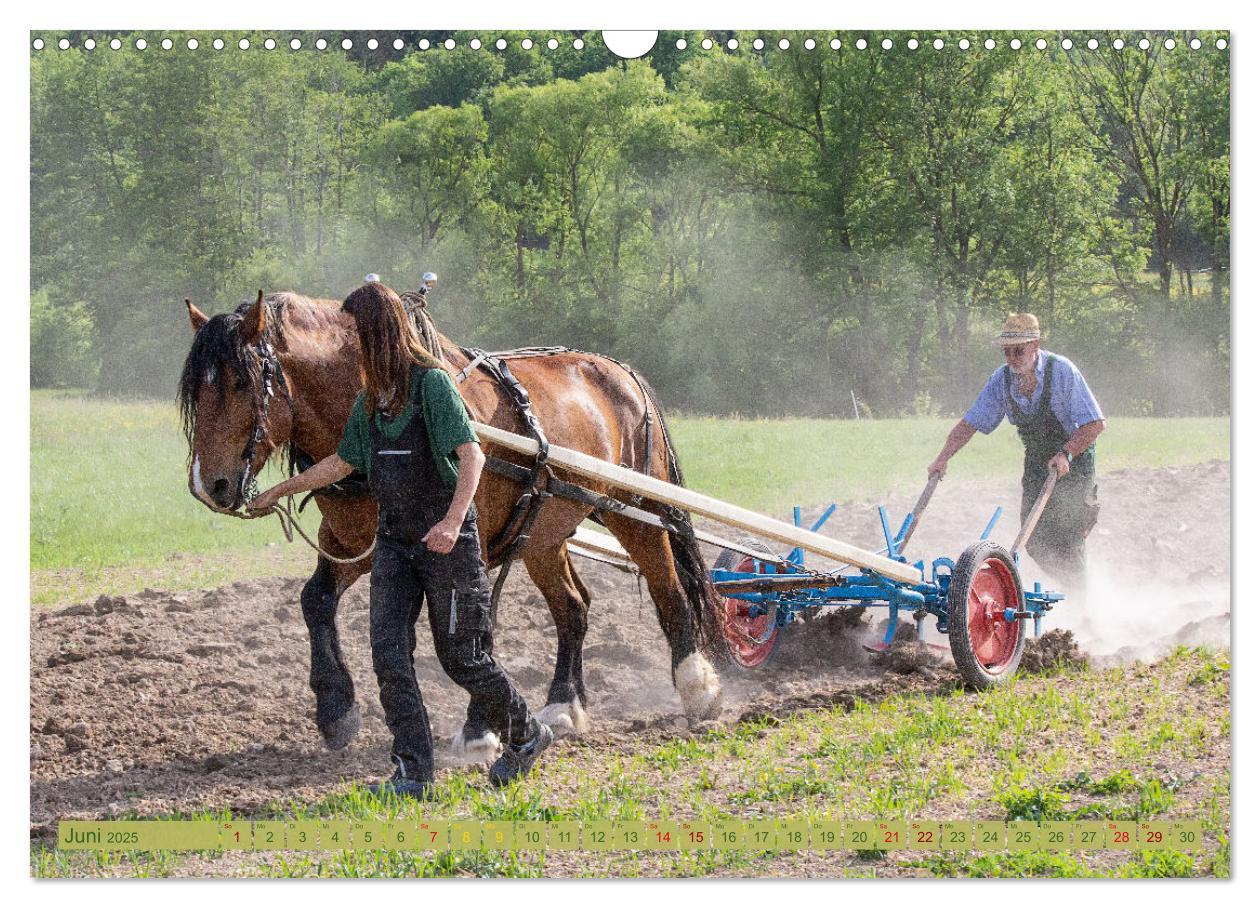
x=1076 y=406
x=445 y=414
x=355 y=446
x=986 y=413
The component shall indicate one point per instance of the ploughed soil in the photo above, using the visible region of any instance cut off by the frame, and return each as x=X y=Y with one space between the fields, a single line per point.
x=178 y=701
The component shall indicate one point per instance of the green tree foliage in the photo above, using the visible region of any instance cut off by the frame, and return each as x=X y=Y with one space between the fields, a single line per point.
x=764 y=231
x=61 y=344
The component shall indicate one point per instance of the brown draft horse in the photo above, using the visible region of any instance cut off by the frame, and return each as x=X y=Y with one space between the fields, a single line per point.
x=583 y=401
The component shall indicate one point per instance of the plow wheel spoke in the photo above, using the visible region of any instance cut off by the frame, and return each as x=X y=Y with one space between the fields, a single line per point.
x=749 y=638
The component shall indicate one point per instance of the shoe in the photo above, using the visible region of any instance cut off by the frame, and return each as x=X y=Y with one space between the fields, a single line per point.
x=518 y=759
x=399 y=785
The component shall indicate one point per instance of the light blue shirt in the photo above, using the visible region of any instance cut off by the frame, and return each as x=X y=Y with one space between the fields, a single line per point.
x=1071 y=401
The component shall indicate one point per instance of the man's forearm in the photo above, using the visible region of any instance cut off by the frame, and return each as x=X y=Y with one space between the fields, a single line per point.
x=1084 y=436
x=958 y=438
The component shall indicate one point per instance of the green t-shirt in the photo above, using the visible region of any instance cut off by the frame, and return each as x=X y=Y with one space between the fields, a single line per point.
x=445 y=418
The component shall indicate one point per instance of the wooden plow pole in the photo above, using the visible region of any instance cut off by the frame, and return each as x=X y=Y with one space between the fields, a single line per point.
x=697 y=503
x=1034 y=516
x=600 y=547
x=919 y=507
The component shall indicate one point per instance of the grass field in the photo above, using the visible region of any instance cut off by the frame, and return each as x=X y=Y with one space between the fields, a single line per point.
x=1033 y=750
x=111 y=513
x=769 y=465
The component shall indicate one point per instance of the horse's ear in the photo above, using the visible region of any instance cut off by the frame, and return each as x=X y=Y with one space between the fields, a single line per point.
x=196 y=316
x=255 y=321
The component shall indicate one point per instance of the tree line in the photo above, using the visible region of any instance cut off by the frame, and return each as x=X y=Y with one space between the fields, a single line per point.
x=797 y=231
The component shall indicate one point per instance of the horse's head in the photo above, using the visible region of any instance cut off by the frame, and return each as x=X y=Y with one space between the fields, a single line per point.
x=233 y=400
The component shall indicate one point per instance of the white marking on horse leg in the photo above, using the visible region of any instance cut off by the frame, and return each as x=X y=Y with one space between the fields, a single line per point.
x=476 y=750
x=698 y=686
x=565 y=718
x=198 y=489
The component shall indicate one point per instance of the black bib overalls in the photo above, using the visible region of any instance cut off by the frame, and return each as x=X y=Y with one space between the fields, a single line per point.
x=1058 y=543
x=412 y=498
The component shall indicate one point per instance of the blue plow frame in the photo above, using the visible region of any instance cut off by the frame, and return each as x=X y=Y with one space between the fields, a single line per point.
x=928 y=598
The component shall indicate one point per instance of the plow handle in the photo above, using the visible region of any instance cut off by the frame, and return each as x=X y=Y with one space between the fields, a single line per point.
x=1035 y=514
x=919 y=507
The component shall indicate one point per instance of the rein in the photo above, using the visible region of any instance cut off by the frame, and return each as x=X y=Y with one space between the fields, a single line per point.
x=288 y=523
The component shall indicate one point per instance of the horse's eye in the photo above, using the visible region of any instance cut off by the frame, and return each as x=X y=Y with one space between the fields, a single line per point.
x=211 y=375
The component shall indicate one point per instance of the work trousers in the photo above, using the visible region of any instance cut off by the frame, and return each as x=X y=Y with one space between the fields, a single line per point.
x=1058 y=542
x=405 y=574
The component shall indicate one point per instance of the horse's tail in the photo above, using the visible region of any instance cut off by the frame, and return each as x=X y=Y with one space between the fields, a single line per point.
x=706 y=605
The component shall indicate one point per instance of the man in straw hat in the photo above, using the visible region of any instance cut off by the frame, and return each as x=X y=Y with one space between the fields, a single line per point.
x=1045 y=396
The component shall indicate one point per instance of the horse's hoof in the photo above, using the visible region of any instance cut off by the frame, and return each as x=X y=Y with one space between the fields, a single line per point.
x=476 y=744
x=565 y=719
x=339 y=733
x=698 y=686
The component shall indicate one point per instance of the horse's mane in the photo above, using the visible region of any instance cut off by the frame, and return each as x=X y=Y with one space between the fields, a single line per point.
x=217 y=347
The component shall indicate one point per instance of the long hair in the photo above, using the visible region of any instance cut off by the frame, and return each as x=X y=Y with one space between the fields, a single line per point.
x=389 y=347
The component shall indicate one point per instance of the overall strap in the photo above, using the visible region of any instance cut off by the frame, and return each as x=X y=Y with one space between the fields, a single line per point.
x=1044 y=408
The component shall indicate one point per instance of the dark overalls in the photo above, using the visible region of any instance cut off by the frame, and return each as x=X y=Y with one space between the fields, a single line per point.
x=412 y=498
x=1058 y=543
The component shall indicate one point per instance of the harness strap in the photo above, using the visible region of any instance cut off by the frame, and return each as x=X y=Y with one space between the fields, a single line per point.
x=470 y=368
x=504 y=547
x=558 y=488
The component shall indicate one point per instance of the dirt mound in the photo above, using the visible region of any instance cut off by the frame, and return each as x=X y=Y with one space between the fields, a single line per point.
x=910 y=657
x=1052 y=650
x=163 y=701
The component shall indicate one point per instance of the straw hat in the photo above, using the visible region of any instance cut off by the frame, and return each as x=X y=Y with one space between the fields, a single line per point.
x=1019 y=329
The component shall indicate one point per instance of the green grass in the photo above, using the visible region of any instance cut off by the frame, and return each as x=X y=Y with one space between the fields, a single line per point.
x=769 y=465
x=1014 y=752
x=111 y=512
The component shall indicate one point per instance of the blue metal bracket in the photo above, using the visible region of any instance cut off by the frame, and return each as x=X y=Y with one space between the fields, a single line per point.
x=883 y=522
x=992 y=523
x=826 y=515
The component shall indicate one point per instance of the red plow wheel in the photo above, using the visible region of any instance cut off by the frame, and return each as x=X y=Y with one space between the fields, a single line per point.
x=987 y=648
x=750 y=639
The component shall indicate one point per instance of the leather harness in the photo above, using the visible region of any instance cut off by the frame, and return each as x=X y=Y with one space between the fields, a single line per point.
x=539 y=482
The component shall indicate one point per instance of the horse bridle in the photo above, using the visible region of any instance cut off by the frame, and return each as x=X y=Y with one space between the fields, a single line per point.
x=272 y=373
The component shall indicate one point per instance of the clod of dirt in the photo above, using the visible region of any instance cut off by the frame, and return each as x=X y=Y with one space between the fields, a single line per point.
x=909 y=657
x=66 y=657
x=1055 y=649
x=105 y=605
x=214 y=763
x=75 y=611
x=208 y=649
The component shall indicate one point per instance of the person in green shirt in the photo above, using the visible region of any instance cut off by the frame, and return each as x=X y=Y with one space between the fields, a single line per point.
x=410 y=433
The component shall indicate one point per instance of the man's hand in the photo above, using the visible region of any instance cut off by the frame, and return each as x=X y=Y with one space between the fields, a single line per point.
x=1059 y=463
x=938 y=467
x=264 y=502
x=442 y=535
